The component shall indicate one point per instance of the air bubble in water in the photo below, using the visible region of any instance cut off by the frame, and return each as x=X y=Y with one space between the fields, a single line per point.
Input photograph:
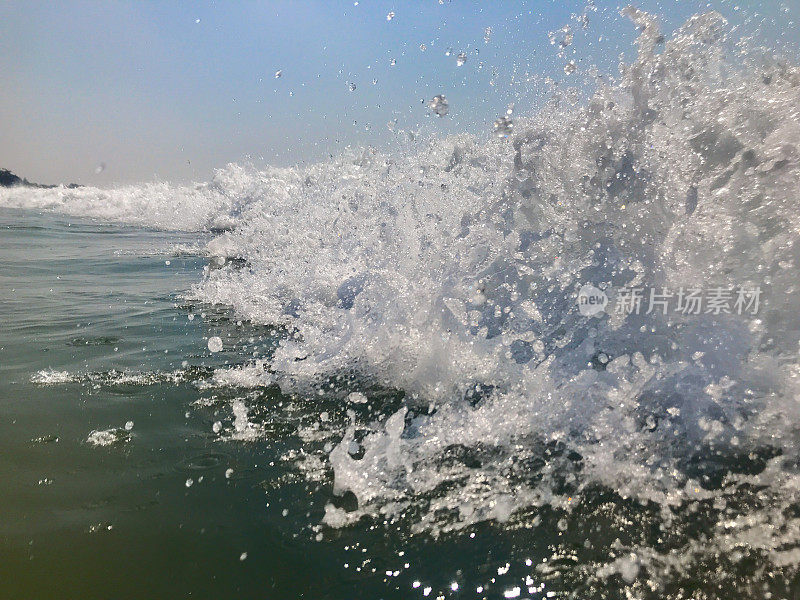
x=189 y=482
x=439 y=105
x=278 y=73
x=128 y=425
x=393 y=62
x=570 y=67
x=448 y=52
x=215 y=344
x=352 y=87
x=390 y=16
x=216 y=427
x=423 y=47
x=487 y=35
x=461 y=59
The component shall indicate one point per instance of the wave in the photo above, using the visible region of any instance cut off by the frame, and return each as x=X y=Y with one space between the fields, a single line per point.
x=450 y=271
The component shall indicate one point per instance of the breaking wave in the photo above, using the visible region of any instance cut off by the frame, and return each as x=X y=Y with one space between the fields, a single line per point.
x=450 y=271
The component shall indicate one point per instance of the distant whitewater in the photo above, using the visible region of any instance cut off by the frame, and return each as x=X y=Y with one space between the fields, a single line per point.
x=449 y=270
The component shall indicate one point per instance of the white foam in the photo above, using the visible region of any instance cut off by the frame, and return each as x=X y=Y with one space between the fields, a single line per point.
x=51 y=377
x=108 y=437
x=246 y=376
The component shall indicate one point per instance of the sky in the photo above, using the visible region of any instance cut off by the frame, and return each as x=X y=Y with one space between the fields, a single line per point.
x=169 y=91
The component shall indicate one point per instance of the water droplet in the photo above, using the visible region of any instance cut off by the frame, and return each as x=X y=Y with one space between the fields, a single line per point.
x=243 y=556
x=228 y=473
x=217 y=426
x=570 y=67
x=390 y=16
x=561 y=38
x=189 y=482
x=439 y=105
x=352 y=87
x=422 y=47
x=461 y=59
x=448 y=52
x=393 y=62
x=128 y=425
x=278 y=73
x=487 y=35
x=375 y=81
x=215 y=344
x=503 y=127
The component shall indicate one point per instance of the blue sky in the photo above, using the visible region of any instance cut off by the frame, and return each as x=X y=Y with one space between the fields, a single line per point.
x=170 y=91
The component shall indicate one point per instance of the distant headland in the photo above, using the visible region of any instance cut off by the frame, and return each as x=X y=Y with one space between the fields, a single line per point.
x=8 y=179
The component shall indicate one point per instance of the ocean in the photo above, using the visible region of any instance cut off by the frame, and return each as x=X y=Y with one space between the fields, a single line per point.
x=557 y=362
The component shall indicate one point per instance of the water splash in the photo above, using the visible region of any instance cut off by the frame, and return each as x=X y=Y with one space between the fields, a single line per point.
x=504 y=125
x=459 y=288
x=439 y=105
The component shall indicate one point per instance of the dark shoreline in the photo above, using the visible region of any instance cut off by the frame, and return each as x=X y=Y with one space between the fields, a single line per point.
x=9 y=179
